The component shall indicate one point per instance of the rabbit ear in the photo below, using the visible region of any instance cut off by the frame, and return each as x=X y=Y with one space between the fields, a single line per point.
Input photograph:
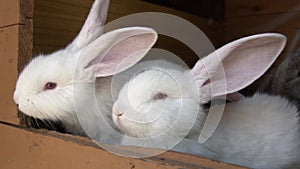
x=117 y=50
x=234 y=97
x=93 y=26
x=237 y=64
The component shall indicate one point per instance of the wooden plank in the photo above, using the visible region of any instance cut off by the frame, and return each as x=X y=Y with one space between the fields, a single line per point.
x=25 y=33
x=28 y=149
x=56 y=23
x=9 y=12
x=212 y=29
x=283 y=23
x=25 y=44
x=14 y=12
x=238 y=8
x=213 y=9
x=8 y=73
x=25 y=11
x=15 y=51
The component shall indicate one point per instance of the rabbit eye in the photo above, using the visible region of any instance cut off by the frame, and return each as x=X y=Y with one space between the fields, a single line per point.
x=50 y=86
x=159 y=96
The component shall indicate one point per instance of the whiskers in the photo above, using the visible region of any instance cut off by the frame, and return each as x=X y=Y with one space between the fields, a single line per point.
x=33 y=122
x=45 y=112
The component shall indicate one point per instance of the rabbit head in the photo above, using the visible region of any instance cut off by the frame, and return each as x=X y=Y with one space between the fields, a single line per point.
x=166 y=100
x=146 y=102
x=44 y=88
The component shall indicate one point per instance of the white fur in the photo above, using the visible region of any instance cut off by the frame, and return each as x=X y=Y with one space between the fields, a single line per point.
x=30 y=94
x=144 y=117
x=258 y=132
x=74 y=70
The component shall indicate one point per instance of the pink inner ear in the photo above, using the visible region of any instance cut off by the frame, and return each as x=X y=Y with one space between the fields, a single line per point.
x=124 y=54
x=248 y=63
x=243 y=61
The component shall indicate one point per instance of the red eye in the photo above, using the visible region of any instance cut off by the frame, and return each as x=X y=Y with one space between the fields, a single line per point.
x=50 y=86
x=159 y=96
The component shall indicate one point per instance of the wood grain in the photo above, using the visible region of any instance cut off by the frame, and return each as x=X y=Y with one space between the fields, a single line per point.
x=25 y=33
x=15 y=51
x=9 y=12
x=212 y=29
x=238 y=8
x=205 y=8
x=28 y=149
x=8 y=73
x=57 y=22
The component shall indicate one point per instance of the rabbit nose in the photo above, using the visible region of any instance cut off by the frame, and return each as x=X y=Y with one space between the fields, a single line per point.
x=116 y=112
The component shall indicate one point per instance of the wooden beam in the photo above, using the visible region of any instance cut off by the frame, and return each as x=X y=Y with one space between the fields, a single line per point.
x=238 y=8
x=8 y=72
x=15 y=51
x=9 y=12
x=31 y=148
x=212 y=9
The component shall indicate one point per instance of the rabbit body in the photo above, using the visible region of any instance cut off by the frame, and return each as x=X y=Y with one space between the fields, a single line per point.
x=261 y=132
x=162 y=107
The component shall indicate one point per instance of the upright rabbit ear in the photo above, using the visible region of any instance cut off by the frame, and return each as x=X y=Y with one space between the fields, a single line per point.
x=243 y=61
x=117 y=50
x=93 y=26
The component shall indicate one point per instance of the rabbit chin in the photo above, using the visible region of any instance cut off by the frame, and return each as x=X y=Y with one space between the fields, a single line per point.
x=137 y=130
x=42 y=120
x=127 y=127
x=68 y=120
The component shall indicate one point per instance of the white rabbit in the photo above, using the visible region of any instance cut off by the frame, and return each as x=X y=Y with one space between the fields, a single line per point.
x=157 y=107
x=54 y=86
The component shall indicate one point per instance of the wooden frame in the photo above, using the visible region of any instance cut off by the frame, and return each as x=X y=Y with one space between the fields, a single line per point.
x=24 y=32
x=25 y=26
